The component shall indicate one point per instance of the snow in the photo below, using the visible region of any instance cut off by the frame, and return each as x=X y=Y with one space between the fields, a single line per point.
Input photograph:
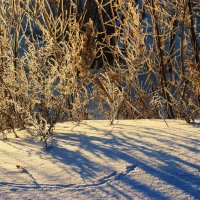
x=132 y=159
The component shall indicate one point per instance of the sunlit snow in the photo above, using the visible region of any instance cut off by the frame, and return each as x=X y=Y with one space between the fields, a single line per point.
x=132 y=159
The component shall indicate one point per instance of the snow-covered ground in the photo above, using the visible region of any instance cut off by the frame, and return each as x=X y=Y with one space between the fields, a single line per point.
x=133 y=159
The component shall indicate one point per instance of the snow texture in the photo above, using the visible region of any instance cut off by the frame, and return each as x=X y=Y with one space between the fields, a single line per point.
x=132 y=159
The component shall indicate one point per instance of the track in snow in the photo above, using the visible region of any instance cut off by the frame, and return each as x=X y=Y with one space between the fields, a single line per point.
x=111 y=177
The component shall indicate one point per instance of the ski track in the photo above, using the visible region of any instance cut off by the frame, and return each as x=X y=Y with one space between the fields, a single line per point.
x=109 y=178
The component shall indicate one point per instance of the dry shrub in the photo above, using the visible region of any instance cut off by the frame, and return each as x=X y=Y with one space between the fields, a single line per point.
x=43 y=66
x=153 y=44
x=49 y=68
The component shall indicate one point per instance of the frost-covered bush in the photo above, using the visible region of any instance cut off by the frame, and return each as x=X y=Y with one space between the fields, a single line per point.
x=43 y=64
x=54 y=62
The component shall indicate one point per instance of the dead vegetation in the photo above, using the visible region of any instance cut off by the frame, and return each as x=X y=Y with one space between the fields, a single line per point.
x=56 y=61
